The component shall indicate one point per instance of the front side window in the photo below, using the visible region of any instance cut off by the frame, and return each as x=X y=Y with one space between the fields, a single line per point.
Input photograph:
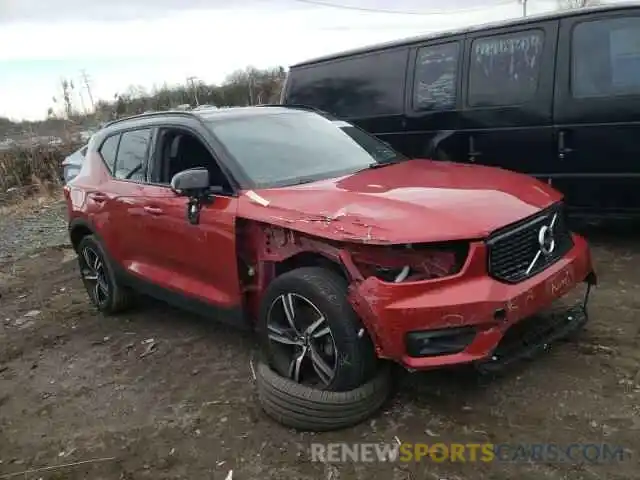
x=505 y=69
x=435 y=79
x=279 y=149
x=606 y=58
x=132 y=155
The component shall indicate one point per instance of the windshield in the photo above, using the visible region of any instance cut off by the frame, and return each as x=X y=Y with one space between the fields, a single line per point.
x=295 y=147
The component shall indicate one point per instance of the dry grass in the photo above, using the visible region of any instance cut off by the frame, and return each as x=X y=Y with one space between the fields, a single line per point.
x=40 y=197
x=25 y=172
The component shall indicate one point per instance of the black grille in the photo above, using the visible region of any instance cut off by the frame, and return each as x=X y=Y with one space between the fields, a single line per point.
x=512 y=249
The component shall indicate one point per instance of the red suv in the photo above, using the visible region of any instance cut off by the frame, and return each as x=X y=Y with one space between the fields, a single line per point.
x=336 y=248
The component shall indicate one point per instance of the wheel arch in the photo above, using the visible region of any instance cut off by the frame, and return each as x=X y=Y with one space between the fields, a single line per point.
x=310 y=258
x=78 y=229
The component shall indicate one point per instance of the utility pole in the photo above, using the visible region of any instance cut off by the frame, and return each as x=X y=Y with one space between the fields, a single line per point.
x=191 y=80
x=250 y=88
x=87 y=84
x=524 y=7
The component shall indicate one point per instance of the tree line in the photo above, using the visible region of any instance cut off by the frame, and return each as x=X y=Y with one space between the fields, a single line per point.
x=249 y=86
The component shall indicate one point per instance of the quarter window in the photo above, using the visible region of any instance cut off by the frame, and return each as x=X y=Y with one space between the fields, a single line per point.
x=108 y=151
x=505 y=69
x=132 y=155
x=435 y=79
x=606 y=58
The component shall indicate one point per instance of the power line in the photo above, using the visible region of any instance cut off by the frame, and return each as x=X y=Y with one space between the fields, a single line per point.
x=401 y=12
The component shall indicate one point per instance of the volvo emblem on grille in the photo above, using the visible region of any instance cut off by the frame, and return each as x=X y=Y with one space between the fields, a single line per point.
x=546 y=242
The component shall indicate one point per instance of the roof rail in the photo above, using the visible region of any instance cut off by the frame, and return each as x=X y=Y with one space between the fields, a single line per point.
x=151 y=114
x=298 y=106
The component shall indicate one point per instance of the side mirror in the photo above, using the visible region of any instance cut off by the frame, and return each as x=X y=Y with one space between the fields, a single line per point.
x=191 y=183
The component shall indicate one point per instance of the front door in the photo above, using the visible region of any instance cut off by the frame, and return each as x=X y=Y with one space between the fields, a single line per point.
x=507 y=96
x=597 y=111
x=194 y=260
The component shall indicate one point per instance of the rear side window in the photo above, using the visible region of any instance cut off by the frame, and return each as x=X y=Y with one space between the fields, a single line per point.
x=435 y=78
x=505 y=69
x=131 y=163
x=365 y=86
x=108 y=151
x=606 y=58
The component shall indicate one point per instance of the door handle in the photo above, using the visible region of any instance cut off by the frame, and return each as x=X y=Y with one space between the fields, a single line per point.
x=473 y=153
x=153 y=210
x=562 y=148
x=98 y=197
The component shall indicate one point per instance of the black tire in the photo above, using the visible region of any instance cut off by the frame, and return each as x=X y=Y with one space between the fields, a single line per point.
x=306 y=408
x=355 y=360
x=114 y=297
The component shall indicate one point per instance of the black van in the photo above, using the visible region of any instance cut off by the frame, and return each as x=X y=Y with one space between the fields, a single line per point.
x=555 y=96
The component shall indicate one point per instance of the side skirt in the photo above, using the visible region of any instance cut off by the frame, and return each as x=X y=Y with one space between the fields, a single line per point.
x=234 y=317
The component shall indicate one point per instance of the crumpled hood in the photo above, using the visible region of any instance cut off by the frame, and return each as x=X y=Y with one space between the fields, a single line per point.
x=410 y=202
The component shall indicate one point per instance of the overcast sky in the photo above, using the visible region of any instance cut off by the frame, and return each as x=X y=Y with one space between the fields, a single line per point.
x=149 y=42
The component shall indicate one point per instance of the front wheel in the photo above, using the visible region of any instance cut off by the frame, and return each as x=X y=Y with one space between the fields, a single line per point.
x=311 y=334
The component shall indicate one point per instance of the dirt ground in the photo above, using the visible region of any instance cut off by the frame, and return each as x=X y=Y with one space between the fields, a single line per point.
x=158 y=393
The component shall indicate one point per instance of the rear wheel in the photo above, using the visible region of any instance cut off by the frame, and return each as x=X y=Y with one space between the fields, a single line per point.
x=105 y=291
x=311 y=334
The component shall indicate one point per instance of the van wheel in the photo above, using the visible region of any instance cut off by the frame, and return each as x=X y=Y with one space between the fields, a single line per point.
x=305 y=408
x=105 y=291
x=310 y=333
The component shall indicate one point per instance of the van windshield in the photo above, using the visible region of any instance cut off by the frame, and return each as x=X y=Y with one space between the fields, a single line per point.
x=293 y=147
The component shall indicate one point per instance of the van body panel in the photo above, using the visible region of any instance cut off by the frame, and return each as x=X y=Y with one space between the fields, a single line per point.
x=574 y=124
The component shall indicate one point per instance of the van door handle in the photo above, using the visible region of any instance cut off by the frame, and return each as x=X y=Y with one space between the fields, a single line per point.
x=153 y=210
x=473 y=153
x=562 y=148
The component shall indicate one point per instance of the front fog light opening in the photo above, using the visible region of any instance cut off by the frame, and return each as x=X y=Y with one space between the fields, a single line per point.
x=428 y=343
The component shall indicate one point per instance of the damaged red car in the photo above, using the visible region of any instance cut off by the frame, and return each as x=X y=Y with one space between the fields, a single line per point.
x=339 y=251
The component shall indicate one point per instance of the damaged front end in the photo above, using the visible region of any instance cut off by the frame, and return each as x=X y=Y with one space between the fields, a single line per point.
x=423 y=305
x=267 y=250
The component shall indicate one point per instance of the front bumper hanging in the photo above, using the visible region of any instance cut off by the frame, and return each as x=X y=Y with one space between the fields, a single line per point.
x=536 y=334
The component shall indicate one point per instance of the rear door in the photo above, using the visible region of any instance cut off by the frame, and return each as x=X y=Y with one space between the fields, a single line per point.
x=597 y=111
x=127 y=189
x=507 y=95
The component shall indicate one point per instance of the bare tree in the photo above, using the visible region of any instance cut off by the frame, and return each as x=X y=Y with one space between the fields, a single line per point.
x=570 y=4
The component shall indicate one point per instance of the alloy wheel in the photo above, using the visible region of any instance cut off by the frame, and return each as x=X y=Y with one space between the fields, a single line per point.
x=94 y=276
x=299 y=335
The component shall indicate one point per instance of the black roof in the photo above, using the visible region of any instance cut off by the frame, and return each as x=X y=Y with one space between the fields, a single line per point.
x=212 y=113
x=474 y=28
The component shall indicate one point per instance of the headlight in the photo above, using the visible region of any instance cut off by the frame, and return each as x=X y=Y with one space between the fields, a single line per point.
x=410 y=262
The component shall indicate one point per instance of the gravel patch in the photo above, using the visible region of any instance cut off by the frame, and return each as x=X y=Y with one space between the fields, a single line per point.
x=23 y=232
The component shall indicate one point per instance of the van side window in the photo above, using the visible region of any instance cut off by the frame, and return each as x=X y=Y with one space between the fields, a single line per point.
x=606 y=58
x=504 y=69
x=435 y=78
x=364 y=86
